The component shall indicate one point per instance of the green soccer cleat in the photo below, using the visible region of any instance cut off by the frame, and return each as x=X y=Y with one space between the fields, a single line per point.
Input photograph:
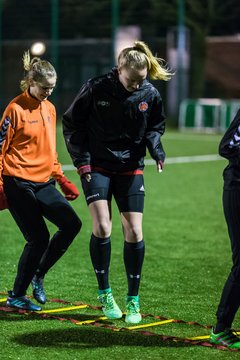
x=133 y=315
x=225 y=338
x=109 y=305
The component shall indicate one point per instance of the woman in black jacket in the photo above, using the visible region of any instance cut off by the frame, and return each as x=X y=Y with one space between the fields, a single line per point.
x=230 y=300
x=108 y=127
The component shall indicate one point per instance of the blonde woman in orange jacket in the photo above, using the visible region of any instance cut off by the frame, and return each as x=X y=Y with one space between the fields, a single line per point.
x=29 y=169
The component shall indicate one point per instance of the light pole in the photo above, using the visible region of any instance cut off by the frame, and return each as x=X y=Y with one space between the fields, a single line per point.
x=178 y=59
x=115 y=24
x=54 y=40
x=181 y=50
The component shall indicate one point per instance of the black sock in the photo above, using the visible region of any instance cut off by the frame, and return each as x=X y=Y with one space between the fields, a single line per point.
x=220 y=327
x=100 y=252
x=133 y=259
x=39 y=275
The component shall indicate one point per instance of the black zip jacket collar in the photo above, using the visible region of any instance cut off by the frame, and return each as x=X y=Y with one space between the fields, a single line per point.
x=110 y=127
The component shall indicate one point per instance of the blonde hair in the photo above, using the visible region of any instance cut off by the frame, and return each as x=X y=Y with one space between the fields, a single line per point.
x=139 y=57
x=36 y=69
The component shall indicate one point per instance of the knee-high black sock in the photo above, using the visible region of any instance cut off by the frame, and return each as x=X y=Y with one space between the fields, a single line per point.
x=133 y=259
x=100 y=252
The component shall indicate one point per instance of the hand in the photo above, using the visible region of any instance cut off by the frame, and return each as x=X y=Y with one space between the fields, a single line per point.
x=160 y=165
x=85 y=171
x=68 y=188
x=87 y=177
x=3 y=199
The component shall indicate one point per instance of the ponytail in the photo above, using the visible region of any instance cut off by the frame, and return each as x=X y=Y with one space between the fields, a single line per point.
x=36 y=69
x=140 y=56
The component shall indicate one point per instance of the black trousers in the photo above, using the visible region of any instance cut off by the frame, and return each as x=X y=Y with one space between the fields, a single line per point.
x=29 y=204
x=230 y=299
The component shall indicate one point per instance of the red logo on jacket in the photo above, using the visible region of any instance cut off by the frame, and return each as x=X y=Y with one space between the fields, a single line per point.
x=143 y=106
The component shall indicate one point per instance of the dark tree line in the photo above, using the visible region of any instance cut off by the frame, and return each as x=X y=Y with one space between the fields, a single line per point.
x=92 y=18
x=27 y=19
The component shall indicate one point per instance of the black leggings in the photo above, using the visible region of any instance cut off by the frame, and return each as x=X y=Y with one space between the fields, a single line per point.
x=230 y=299
x=29 y=204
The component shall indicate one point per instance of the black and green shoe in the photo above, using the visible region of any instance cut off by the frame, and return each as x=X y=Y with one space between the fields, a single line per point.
x=225 y=338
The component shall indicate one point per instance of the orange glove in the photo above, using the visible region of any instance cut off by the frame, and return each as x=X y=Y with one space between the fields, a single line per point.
x=3 y=199
x=68 y=188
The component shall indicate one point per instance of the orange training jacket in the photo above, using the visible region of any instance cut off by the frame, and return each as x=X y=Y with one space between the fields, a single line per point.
x=28 y=140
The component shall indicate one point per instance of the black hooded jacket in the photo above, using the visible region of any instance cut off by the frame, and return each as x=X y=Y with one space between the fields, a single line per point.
x=229 y=148
x=110 y=127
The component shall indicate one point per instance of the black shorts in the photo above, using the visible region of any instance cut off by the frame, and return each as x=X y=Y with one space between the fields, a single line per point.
x=127 y=190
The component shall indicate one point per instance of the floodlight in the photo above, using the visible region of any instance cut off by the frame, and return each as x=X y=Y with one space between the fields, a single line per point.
x=38 y=48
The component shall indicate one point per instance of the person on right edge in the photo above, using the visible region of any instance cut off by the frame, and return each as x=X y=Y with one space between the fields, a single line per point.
x=229 y=148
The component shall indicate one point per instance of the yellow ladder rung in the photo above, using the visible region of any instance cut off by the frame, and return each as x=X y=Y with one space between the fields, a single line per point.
x=62 y=309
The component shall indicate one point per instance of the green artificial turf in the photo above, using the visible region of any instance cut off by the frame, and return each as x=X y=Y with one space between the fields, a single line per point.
x=187 y=260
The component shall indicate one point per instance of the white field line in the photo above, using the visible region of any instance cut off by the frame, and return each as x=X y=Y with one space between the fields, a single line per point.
x=186 y=159
x=171 y=160
x=191 y=137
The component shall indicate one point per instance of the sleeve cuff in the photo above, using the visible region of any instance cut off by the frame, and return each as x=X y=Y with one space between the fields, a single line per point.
x=84 y=169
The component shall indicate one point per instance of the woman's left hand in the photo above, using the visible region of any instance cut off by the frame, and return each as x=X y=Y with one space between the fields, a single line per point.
x=160 y=165
x=68 y=188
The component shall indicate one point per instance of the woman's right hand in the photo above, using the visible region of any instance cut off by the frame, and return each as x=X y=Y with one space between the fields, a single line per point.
x=87 y=177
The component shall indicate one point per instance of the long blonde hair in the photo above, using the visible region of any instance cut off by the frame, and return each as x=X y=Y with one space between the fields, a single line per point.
x=139 y=57
x=36 y=69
